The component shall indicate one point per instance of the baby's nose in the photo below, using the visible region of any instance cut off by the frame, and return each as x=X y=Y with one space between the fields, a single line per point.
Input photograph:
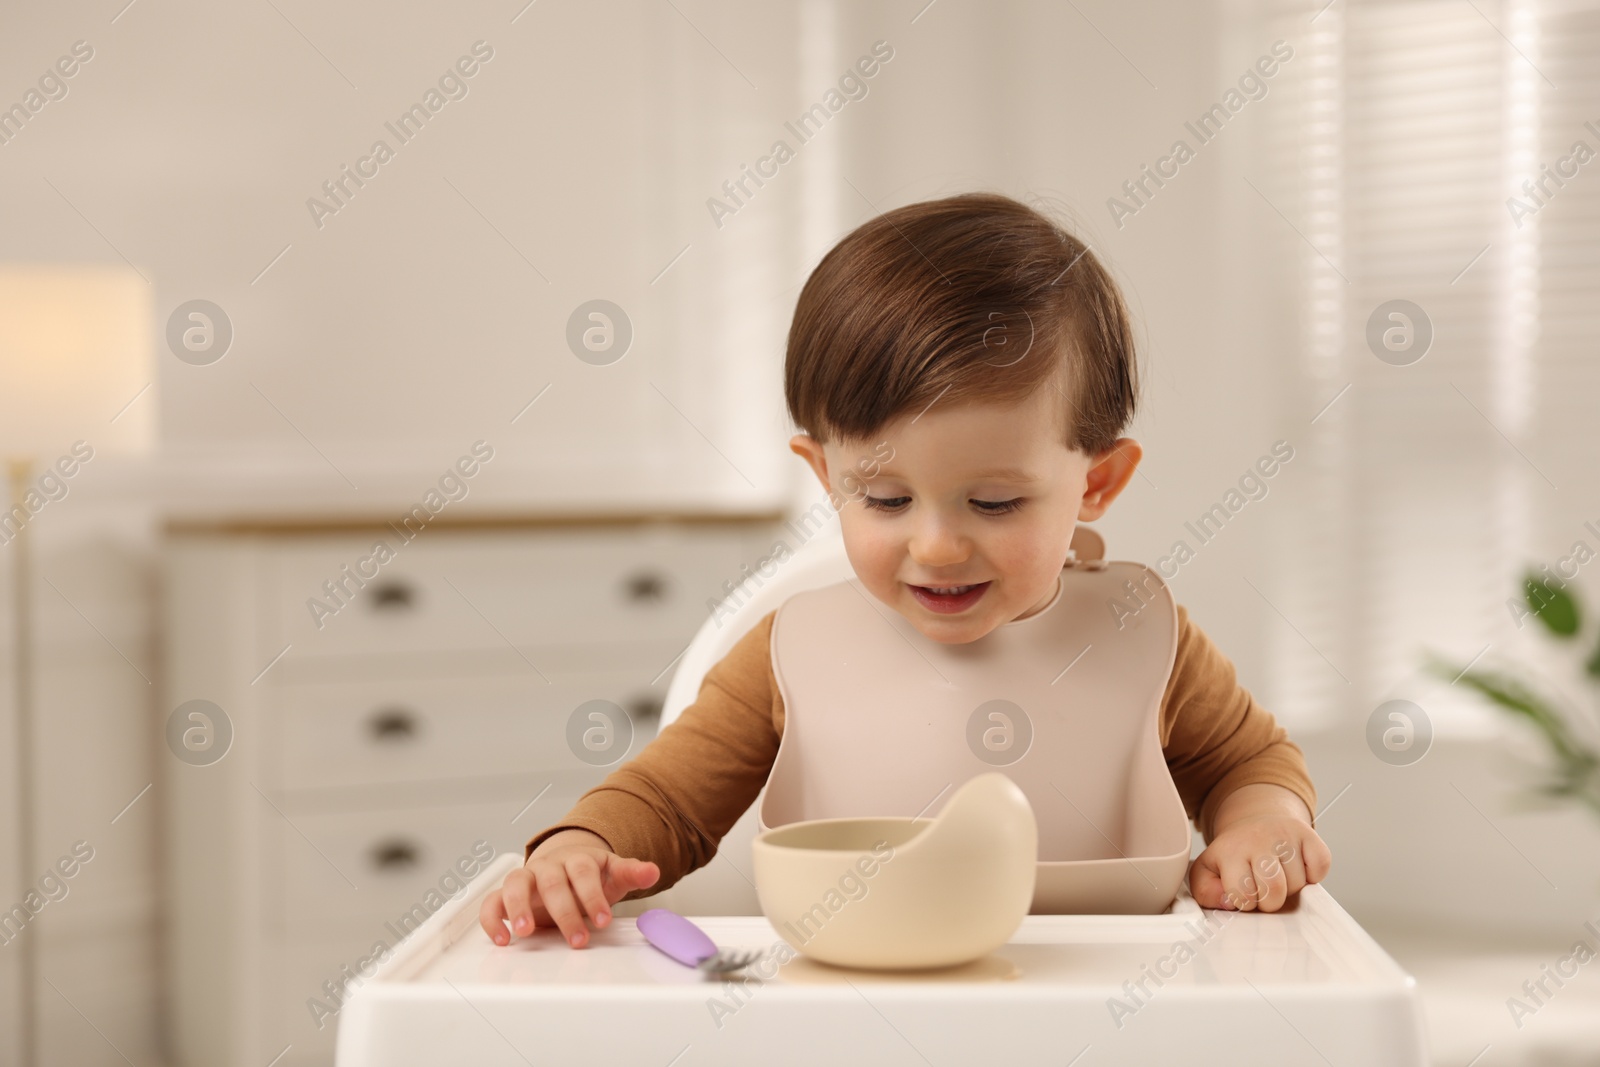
x=938 y=543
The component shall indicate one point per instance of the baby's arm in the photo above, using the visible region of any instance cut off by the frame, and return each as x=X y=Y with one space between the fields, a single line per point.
x=1242 y=779
x=660 y=815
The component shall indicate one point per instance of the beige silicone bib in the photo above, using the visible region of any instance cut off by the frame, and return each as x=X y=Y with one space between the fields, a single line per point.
x=883 y=721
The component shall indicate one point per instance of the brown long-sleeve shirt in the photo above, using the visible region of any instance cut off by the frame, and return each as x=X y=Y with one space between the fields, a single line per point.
x=672 y=803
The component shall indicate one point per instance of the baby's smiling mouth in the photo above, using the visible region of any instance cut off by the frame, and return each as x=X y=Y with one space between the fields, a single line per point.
x=949 y=599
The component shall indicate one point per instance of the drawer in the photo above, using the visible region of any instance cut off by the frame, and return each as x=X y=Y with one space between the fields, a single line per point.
x=352 y=872
x=332 y=734
x=647 y=660
x=487 y=590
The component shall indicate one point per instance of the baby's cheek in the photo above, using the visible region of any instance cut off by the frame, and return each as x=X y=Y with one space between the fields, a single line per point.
x=1032 y=559
x=871 y=556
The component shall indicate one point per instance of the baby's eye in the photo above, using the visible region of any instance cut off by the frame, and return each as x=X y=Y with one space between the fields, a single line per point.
x=895 y=503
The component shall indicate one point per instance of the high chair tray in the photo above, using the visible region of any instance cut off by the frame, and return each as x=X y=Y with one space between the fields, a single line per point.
x=1302 y=985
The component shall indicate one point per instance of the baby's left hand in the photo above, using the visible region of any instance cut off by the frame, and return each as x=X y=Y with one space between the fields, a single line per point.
x=1258 y=862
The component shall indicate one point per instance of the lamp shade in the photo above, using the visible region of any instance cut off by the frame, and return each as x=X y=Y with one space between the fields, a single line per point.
x=75 y=349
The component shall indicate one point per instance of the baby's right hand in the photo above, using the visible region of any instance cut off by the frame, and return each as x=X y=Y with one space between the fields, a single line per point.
x=568 y=867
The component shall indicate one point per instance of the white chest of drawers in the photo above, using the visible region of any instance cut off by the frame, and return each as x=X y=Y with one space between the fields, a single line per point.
x=375 y=743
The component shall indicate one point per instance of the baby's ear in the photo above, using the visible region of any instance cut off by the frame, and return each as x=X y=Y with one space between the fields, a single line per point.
x=809 y=449
x=1109 y=474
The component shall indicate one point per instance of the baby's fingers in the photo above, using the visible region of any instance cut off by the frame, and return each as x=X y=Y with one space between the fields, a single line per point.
x=1272 y=883
x=492 y=915
x=1317 y=857
x=1205 y=882
x=556 y=894
x=1240 y=889
x=624 y=875
x=1222 y=881
x=584 y=873
x=521 y=904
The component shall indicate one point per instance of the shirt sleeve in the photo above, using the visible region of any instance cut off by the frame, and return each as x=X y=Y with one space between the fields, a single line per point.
x=1215 y=735
x=673 y=802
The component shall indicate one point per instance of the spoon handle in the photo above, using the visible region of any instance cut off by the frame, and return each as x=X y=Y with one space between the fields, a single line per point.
x=675 y=935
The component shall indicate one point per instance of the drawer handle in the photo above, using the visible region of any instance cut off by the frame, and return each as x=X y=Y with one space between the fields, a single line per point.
x=393 y=724
x=394 y=856
x=646 y=586
x=393 y=596
x=645 y=707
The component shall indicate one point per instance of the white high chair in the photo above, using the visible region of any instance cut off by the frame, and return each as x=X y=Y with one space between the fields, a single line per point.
x=1302 y=985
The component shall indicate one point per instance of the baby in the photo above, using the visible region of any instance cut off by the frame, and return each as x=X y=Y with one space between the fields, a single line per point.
x=972 y=364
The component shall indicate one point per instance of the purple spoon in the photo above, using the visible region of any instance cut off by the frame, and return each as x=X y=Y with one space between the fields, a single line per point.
x=687 y=943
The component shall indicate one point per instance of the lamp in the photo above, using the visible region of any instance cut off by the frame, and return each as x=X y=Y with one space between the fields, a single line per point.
x=74 y=352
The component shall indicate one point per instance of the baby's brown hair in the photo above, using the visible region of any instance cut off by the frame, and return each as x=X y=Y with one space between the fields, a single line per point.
x=975 y=297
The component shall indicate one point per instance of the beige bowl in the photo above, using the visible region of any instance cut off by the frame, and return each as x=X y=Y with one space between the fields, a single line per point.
x=900 y=893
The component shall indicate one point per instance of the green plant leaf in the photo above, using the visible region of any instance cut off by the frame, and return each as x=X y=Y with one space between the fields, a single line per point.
x=1556 y=608
x=1515 y=697
x=1576 y=775
x=1593 y=666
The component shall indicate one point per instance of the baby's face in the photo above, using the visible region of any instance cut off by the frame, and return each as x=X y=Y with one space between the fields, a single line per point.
x=979 y=495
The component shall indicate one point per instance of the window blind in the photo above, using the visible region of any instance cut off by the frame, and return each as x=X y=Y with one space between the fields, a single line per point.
x=1435 y=480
